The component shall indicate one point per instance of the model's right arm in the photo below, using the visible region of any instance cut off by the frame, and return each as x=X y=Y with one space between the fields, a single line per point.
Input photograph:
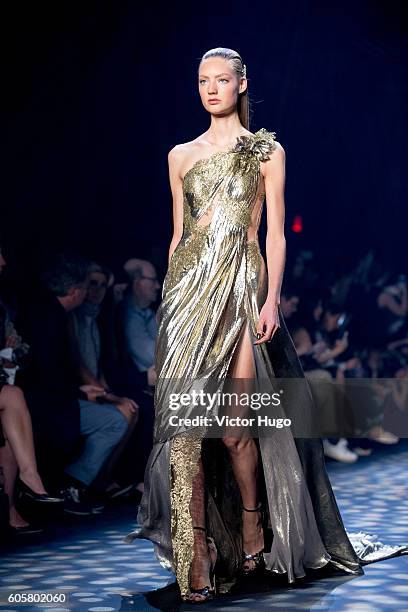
x=175 y=158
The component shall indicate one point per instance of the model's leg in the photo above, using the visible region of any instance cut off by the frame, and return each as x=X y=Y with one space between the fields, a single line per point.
x=244 y=454
x=10 y=469
x=16 y=422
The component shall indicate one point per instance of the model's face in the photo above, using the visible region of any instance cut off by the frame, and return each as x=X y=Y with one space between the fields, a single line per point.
x=219 y=86
x=97 y=286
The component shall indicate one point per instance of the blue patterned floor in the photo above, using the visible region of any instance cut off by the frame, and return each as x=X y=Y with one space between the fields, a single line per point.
x=88 y=559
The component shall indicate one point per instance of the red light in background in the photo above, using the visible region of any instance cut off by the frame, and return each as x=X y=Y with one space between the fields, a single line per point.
x=297 y=225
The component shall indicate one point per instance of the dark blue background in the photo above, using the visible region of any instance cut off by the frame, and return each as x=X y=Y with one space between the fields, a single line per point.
x=97 y=93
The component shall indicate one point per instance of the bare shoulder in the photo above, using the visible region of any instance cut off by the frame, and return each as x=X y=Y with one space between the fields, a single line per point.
x=274 y=166
x=176 y=157
x=182 y=155
x=188 y=148
x=176 y=154
x=278 y=151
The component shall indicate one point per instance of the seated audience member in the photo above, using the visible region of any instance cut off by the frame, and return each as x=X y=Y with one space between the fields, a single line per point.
x=94 y=341
x=75 y=428
x=17 y=456
x=289 y=303
x=369 y=410
x=318 y=350
x=396 y=400
x=101 y=357
x=88 y=337
x=379 y=310
x=302 y=273
x=137 y=320
x=392 y=310
x=377 y=365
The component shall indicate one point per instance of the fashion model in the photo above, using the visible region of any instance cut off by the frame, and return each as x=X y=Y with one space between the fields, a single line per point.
x=219 y=509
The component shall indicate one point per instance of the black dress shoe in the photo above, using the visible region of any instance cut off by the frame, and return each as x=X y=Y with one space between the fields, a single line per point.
x=37 y=497
x=26 y=530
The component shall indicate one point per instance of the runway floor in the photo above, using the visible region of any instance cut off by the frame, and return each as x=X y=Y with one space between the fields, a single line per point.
x=88 y=560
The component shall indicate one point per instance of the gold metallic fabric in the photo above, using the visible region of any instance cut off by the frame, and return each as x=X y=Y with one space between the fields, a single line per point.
x=210 y=290
x=215 y=285
x=216 y=274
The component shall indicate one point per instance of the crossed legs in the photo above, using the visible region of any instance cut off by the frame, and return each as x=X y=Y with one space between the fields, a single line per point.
x=18 y=453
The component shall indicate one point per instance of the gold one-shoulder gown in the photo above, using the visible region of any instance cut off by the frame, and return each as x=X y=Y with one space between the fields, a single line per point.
x=214 y=288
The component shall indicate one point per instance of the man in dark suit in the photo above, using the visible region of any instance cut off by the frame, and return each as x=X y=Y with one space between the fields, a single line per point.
x=75 y=428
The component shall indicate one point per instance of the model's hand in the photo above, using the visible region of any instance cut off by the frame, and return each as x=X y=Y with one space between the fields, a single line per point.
x=268 y=323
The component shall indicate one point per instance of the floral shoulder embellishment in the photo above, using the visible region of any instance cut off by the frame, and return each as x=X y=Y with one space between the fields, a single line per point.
x=261 y=144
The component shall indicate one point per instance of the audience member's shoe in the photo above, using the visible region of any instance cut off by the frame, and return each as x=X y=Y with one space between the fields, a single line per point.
x=116 y=490
x=385 y=437
x=81 y=498
x=74 y=502
x=339 y=451
x=95 y=501
x=25 y=530
x=362 y=452
x=25 y=491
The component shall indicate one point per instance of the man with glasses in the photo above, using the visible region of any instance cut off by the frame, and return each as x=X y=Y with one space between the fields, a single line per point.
x=137 y=318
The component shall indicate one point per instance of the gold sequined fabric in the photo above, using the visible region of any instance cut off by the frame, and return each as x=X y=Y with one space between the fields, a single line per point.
x=184 y=455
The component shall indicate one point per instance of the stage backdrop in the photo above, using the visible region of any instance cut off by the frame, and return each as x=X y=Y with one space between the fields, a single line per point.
x=97 y=94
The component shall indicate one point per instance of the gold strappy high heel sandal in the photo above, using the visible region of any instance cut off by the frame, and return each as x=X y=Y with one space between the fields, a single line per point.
x=257 y=558
x=207 y=592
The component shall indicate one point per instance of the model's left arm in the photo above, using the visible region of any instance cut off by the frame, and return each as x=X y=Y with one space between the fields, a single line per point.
x=274 y=176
